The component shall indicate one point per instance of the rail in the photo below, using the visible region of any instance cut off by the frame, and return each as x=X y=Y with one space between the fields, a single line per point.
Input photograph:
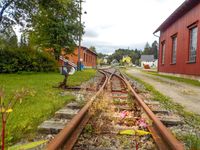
x=167 y=136
x=68 y=136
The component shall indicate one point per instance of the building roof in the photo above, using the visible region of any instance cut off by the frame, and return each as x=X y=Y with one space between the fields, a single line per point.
x=147 y=58
x=179 y=12
x=85 y=48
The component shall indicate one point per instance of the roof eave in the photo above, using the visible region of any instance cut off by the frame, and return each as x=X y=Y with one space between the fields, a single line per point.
x=180 y=11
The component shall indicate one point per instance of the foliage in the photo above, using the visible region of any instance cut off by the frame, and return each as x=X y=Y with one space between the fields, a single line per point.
x=179 y=79
x=191 y=119
x=8 y=39
x=154 y=48
x=6 y=109
x=45 y=23
x=92 y=48
x=192 y=141
x=126 y=60
x=28 y=146
x=81 y=76
x=15 y=12
x=151 y=50
x=147 y=49
x=24 y=59
x=41 y=103
x=118 y=55
x=56 y=25
x=101 y=55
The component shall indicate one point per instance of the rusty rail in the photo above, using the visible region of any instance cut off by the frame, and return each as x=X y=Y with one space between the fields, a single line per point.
x=68 y=136
x=167 y=136
x=65 y=134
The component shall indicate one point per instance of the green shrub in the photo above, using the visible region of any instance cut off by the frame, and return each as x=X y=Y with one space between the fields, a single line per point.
x=25 y=59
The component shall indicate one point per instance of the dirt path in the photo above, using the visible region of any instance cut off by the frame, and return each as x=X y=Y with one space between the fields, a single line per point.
x=184 y=94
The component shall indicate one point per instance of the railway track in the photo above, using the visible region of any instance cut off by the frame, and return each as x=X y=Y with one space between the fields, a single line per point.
x=115 y=118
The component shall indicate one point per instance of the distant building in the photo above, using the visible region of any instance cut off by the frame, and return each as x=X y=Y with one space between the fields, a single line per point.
x=149 y=60
x=105 y=60
x=114 y=62
x=88 y=57
x=179 y=50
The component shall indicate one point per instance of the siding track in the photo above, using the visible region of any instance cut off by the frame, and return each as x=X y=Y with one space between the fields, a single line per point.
x=121 y=109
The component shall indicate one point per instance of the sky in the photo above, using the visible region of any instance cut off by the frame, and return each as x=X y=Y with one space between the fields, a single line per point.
x=113 y=24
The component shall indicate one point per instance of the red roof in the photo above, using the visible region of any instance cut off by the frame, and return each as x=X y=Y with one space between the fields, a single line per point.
x=179 y=12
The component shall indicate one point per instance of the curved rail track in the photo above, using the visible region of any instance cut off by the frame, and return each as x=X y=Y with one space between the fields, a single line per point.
x=118 y=86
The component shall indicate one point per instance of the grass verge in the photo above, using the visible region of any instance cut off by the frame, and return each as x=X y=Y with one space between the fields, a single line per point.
x=40 y=104
x=192 y=141
x=178 y=79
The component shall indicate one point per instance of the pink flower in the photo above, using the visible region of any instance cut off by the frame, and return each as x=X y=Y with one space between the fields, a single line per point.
x=142 y=123
x=123 y=114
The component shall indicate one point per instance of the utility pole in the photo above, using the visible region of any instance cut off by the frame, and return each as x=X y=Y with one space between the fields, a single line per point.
x=80 y=38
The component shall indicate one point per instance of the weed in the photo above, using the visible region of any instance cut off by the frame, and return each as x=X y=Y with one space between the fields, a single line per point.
x=192 y=141
x=179 y=79
x=42 y=102
x=88 y=129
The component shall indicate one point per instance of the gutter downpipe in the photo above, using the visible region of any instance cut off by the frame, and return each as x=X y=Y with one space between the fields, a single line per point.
x=158 y=48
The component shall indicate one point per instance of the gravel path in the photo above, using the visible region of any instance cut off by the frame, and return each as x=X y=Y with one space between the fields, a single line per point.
x=182 y=93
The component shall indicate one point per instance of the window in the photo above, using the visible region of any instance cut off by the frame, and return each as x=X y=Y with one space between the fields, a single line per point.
x=163 y=53
x=174 y=49
x=193 y=44
x=84 y=57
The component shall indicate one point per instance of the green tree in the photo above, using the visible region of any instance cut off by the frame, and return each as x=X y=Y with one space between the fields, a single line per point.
x=15 y=12
x=56 y=25
x=154 y=49
x=93 y=48
x=118 y=55
x=147 y=49
x=8 y=39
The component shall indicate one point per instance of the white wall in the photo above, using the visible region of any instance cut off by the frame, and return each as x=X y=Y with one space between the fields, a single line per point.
x=152 y=64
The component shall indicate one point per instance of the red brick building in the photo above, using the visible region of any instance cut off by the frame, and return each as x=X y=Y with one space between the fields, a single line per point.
x=87 y=57
x=179 y=50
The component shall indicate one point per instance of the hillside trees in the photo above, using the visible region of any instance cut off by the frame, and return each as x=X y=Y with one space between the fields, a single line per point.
x=118 y=55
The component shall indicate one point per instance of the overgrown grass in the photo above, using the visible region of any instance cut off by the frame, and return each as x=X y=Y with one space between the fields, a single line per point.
x=40 y=104
x=192 y=141
x=191 y=118
x=81 y=76
x=179 y=79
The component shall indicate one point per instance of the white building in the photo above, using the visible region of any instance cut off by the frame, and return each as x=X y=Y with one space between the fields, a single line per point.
x=149 y=60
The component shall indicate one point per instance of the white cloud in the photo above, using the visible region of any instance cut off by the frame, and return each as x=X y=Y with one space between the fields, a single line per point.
x=112 y=24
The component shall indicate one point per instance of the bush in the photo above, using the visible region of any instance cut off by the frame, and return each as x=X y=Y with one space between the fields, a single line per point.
x=18 y=60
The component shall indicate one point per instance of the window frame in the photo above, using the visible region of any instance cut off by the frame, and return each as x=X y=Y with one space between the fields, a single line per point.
x=190 y=28
x=174 y=48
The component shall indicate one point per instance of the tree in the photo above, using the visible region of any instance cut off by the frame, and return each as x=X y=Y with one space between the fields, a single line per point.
x=126 y=60
x=56 y=25
x=8 y=40
x=15 y=12
x=120 y=53
x=154 y=49
x=101 y=55
x=147 y=49
x=92 y=48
